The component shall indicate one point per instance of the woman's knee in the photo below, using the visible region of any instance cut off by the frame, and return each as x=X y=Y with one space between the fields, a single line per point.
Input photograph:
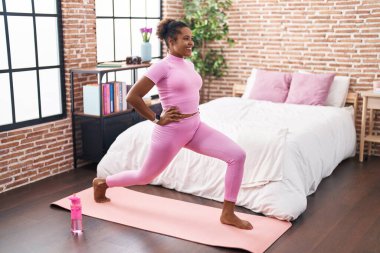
x=238 y=155
x=241 y=155
x=144 y=178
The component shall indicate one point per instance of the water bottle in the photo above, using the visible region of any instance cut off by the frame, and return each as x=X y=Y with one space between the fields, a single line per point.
x=76 y=215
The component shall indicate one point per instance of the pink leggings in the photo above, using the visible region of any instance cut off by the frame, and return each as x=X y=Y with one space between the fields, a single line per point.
x=190 y=133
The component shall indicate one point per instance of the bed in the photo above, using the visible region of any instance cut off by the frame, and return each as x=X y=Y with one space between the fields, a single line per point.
x=290 y=148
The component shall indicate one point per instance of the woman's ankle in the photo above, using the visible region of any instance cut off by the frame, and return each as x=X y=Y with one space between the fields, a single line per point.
x=228 y=207
x=100 y=181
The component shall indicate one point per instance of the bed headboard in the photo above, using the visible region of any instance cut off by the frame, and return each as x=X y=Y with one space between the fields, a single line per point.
x=352 y=97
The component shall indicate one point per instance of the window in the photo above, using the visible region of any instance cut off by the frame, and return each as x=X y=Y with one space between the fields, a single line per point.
x=118 y=24
x=31 y=64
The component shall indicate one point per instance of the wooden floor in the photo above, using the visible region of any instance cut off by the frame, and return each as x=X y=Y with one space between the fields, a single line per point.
x=342 y=216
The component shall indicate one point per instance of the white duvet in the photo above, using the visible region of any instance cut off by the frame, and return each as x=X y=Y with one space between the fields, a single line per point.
x=290 y=149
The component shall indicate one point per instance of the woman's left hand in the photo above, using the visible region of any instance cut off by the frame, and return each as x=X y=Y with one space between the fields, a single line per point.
x=170 y=115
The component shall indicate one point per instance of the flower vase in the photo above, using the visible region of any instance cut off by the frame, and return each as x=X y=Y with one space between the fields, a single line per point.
x=146 y=52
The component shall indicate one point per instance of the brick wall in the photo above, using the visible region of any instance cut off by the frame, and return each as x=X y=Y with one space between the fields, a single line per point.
x=32 y=153
x=314 y=35
x=172 y=9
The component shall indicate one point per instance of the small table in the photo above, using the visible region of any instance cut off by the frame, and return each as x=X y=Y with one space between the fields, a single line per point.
x=238 y=90
x=371 y=101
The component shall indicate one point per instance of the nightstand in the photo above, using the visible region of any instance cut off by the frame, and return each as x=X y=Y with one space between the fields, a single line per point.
x=238 y=90
x=371 y=101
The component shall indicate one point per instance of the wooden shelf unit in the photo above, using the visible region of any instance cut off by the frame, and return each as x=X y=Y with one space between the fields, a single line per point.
x=93 y=134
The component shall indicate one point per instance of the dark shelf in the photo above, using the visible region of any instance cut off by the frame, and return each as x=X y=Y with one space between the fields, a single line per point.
x=93 y=134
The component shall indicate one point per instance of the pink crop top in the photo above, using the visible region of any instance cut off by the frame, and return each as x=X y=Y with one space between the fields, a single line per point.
x=177 y=82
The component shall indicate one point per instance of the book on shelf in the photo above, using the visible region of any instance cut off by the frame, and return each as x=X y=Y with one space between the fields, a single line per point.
x=111 y=64
x=106 y=99
x=117 y=97
x=91 y=104
x=111 y=94
x=128 y=87
x=114 y=98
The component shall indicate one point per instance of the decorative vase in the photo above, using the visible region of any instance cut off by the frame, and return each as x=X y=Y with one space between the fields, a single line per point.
x=146 y=52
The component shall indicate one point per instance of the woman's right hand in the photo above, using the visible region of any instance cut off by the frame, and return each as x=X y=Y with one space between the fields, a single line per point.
x=170 y=115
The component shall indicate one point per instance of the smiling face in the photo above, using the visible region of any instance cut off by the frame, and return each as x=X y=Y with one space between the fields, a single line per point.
x=182 y=46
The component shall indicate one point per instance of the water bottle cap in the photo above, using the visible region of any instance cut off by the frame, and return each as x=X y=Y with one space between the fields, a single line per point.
x=74 y=200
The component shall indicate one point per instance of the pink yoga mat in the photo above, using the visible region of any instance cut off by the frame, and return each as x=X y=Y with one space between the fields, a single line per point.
x=180 y=219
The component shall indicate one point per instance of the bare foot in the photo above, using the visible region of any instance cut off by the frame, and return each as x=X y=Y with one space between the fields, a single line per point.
x=100 y=187
x=233 y=220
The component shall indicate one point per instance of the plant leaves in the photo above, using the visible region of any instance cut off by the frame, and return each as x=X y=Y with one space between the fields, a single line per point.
x=208 y=21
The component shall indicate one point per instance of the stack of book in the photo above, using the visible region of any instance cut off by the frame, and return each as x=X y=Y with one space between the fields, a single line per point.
x=111 y=64
x=114 y=96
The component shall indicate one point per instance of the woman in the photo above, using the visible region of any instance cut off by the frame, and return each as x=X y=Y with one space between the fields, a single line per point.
x=179 y=124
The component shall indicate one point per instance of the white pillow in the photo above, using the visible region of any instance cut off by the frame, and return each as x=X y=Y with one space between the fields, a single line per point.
x=250 y=81
x=338 y=90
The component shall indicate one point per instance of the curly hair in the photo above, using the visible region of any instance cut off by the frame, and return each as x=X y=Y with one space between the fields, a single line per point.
x=169 y=28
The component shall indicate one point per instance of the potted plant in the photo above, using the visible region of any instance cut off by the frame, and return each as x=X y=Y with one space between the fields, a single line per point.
x=146 y=47
x=208 y=21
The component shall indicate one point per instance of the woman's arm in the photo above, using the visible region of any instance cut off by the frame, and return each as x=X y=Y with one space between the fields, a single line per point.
x=135 y=98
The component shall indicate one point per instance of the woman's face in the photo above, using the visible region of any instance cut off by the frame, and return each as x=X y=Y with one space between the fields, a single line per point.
x=182 y=47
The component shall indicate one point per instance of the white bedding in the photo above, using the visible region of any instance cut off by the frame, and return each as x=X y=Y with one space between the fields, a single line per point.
x=290 y=149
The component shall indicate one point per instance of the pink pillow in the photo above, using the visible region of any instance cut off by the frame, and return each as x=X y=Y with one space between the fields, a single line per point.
x=270 y=86
x=309 y=89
